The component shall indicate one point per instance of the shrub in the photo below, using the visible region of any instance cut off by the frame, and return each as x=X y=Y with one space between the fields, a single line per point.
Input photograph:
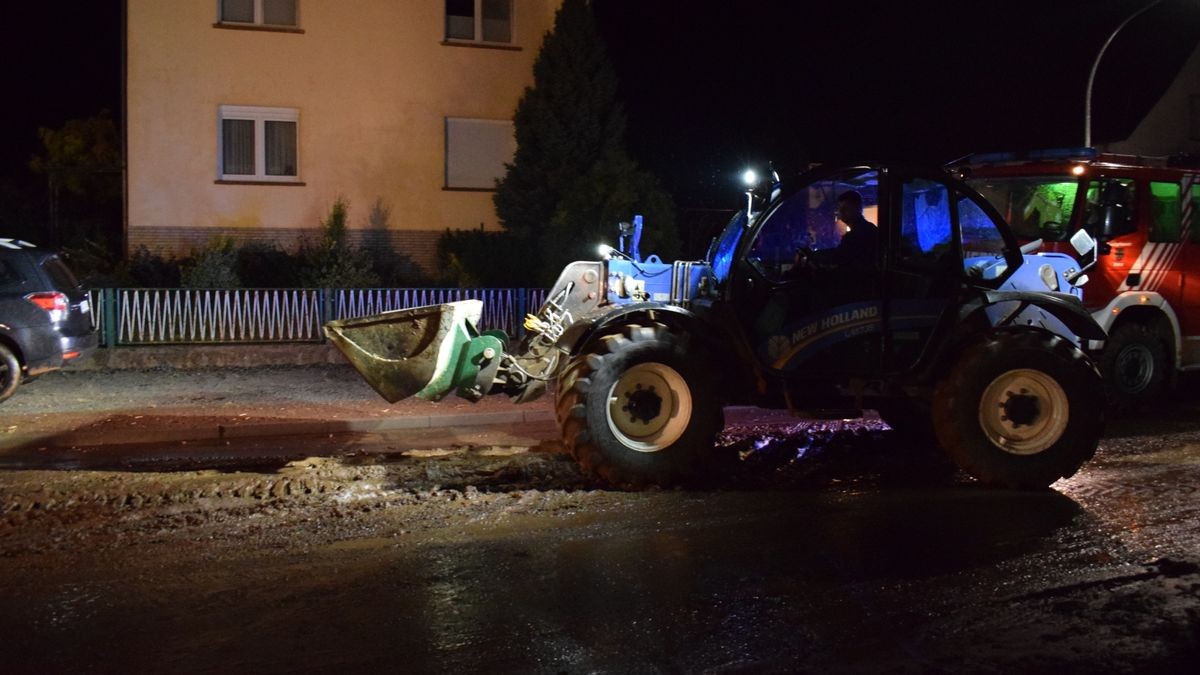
x=149 y=270
x=267 y=266
x=333 y=263
x=470 y=258
x=212 y=267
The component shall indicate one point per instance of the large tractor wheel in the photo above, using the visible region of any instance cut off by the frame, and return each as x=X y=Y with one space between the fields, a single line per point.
x=10 y=372
x=1134 y=364
x=1020 y=409
x=638 y=407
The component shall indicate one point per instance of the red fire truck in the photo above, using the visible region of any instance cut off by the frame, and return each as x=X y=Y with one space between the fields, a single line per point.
x=1144 y=287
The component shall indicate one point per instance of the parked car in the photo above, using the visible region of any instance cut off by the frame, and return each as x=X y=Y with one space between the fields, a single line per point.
x=46 y=318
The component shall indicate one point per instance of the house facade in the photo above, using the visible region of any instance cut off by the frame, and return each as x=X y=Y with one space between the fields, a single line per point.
x=1172 y=126
x=249 y=118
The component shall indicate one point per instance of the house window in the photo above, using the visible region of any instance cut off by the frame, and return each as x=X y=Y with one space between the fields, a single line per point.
x=479 y=20
x=260 y=12
x=476 y=152
x=259 y=144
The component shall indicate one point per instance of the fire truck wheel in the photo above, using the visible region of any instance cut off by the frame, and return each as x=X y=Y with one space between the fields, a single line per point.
x=1134 y=365
x=10 y=372
x=1020 y=409
x=638 y=407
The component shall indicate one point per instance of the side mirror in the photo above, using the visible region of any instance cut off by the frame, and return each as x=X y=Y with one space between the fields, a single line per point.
x=1082 y=242
x=1086 y=247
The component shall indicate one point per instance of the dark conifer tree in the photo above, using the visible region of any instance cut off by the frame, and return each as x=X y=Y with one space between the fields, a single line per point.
x=571 y=180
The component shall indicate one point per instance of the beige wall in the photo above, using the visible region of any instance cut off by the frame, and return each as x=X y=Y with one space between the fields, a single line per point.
x=372 y=82
x=1166 y=129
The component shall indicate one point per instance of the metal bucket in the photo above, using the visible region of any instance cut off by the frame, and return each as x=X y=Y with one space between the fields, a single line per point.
x=408 y=352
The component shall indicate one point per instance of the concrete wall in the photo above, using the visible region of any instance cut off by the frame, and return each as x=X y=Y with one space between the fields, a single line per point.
x=372 y=81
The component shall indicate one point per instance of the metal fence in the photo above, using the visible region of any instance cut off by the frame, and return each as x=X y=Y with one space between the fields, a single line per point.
x=155 y=316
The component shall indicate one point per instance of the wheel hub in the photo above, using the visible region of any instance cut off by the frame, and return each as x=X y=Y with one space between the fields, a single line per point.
x=649 y=407
x=1134 y=368
x=1024 y=411
x=1020 y=409
x=642 y=404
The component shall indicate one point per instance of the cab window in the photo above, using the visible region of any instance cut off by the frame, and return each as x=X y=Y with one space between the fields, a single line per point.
x=1164 y=211
x=807 y=223
x=925 y=231
x=980 y=236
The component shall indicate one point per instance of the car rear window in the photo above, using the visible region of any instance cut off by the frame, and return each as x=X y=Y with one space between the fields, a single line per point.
x=9 y=274
x=60 y=275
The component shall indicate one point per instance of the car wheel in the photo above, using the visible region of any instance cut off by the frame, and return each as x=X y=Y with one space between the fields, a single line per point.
x=10 y=372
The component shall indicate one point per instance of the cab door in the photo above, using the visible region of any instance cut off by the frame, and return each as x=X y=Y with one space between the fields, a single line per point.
x=804 y=315
x=943 y=236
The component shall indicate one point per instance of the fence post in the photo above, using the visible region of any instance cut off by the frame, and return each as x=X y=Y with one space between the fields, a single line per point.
x=522 y=310
x=108 y=301
x=325 y=297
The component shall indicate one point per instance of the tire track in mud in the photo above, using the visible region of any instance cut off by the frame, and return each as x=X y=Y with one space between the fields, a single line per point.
x=790 y=456
x=47 y=503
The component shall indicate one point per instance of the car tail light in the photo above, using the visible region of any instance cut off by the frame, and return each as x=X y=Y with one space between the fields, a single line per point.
x=55 y=304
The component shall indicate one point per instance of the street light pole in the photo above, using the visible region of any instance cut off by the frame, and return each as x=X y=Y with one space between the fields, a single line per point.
x=1087 y=106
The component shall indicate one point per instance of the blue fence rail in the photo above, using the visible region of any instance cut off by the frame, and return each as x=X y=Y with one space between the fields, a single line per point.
x=176 y=316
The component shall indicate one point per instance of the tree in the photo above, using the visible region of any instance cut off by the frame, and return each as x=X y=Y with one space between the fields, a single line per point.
x=82 y=159
x=571 y=180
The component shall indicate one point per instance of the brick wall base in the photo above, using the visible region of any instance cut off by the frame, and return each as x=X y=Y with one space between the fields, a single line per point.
x=418 y=245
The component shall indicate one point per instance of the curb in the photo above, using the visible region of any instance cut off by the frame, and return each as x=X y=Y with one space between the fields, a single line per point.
x=282 y=428
x=276 y=428
x=193 y=357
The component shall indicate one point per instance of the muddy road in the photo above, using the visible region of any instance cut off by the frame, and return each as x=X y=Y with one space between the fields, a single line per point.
x=830 y=546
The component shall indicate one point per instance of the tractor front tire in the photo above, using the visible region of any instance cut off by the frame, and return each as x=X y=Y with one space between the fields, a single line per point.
x=639 y=407
x=1020 y=409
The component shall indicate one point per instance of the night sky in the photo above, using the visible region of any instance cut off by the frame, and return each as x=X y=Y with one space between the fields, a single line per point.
x=710 y=87
x=792 y=82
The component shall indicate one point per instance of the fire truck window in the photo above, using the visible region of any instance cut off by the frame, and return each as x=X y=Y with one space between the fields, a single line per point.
x=1036 y=207
x=1193 y=226
x=925 y=234
x=1164 y=211
x=1110 y=208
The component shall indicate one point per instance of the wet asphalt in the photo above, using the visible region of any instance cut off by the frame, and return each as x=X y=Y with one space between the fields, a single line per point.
x=830 y=547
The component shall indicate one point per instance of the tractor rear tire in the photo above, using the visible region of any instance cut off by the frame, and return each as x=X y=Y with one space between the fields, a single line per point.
x=10 y=373
x=1020 y=409
x=639 y=407
x=1135 y=365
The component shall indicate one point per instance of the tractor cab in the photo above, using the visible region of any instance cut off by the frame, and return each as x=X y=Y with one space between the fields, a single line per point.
x=852 y=271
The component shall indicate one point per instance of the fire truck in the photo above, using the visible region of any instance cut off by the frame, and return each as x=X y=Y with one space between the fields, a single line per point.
x=1144 y=286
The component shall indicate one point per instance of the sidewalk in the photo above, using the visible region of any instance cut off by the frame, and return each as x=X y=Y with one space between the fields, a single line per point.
x=167 y=411
x=92 y=407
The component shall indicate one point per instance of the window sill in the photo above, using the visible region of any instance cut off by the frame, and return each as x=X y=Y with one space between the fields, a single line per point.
x=287 y=183
x=260 y=28
x=466 y=189
x=481 y=45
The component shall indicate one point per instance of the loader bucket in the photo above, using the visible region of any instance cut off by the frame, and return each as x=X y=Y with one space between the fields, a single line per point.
x=409 y=352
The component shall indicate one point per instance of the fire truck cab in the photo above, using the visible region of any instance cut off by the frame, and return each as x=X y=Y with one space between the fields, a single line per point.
x=1144 y=283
